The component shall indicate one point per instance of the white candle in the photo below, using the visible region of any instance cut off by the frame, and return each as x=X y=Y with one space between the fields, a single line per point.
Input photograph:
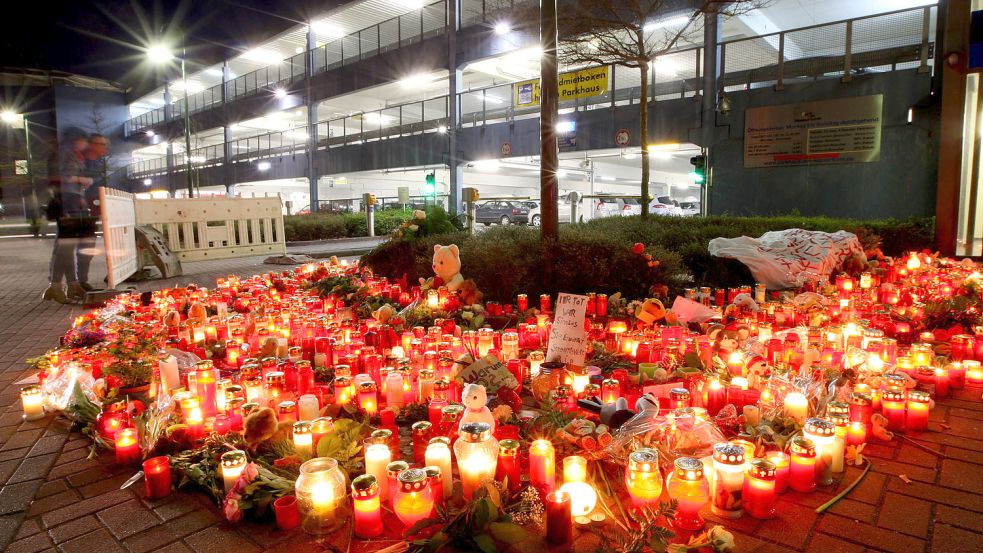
x=281 y=347
x=394 y=390
x=320 y=359
x=377 y=456
x=33 y=402
x=752 y=415
x=169 y=375
x=837 y=448
x=439 y=455
x=233 y=462
x=303 y=439
x=307 y=407
x=796 y=406
x=323 y=501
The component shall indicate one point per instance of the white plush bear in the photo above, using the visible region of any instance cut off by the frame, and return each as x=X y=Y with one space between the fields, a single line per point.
x=475 y=401
x=447 y=265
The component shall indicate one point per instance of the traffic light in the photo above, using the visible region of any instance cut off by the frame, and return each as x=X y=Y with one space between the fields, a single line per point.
x=699 y=172
x=430 y=186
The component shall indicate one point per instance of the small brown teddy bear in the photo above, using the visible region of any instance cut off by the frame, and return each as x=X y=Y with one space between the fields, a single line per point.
x=469 y=292
x=261 y=426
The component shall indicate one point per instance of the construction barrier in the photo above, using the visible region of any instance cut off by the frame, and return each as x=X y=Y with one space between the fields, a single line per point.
x=118 y=233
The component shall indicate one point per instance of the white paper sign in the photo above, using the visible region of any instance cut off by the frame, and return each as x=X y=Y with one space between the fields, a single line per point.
x=568 y=339
x=489 y=372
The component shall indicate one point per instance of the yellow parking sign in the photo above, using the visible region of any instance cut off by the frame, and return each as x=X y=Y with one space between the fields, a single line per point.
x=583 y=83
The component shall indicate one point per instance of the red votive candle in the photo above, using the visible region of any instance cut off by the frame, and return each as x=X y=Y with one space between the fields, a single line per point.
x=781 y=461
x=508 y=463
x=893 y=407
x=542 y=467
x=759 y=489
x=559 y=519
x=856 y=433
x=941 y=383
x=716 y=397
x=434 y=409
x=802 y=469
x=127 y=446
x=287 y=513
x=157 y=477
x=917 y=418
x=367 y=506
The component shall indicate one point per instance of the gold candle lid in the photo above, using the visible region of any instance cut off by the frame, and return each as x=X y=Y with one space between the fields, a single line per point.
x=421 y=427
x=728 y=453
x=396 y=467
x=412 y=480
x=643 y=460
x=364 y=486
x=688 y=468
x=473 y=432
x=803 y=446
x=381 y=435
x=819 y=427
x=440 y=440
x=762 y=468
x=508 y=448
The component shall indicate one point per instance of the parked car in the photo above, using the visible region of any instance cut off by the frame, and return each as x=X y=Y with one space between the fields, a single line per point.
x=690 y=208
x=616 y=207
x=664 y=205
x=502 y=212
x=535 y=211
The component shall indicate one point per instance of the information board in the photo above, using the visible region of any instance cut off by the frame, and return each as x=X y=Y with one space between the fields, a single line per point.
x=583 y=83
x=568 y=339
x=845 y=130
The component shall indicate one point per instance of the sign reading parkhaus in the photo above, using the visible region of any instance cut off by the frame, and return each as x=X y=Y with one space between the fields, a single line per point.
x=583 y=83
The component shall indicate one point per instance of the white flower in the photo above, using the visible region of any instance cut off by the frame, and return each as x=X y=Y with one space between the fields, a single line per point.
x=720 y=539
x=419 y=214
x=467 y=315
x=414 y=228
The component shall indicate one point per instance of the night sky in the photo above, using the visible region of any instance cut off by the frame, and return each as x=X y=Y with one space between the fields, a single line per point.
x=102 y=38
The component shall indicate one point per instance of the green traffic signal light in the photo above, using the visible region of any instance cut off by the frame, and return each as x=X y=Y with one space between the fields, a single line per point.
x=697 y=177
x=699 y=172
x=430 y=186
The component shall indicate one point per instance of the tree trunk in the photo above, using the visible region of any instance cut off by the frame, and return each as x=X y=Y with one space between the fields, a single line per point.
x=643 y=113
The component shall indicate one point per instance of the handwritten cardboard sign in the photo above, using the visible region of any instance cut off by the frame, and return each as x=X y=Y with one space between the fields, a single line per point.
x=568 y=339
x=489 y=372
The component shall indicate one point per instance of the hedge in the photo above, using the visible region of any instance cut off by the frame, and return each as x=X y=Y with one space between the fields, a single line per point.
x=596 y=256
x=317 y=226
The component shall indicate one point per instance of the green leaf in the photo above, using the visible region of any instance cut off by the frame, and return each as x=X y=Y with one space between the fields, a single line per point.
x=485 y=543
x=422 y=524
x=436 y=542
x=481 y=515
x=508 y=532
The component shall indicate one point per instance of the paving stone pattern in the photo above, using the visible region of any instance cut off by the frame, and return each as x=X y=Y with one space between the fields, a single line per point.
x=54 y=496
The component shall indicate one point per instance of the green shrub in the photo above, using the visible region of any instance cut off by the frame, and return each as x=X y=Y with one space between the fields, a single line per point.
x=596 y=256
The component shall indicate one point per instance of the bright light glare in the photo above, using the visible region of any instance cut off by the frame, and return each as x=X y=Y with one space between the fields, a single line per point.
x=147 y=182
x=442 y=129
x=486 y=165
x=151 y=134
x=327 y=29
x=263 y=166
x=566 y=126
x=261 y=55
x=280 y=93
x=191 y=86
x=665 y=23
x=158 y=53
x=502 y=28
x=9 y=117
x=416 y=80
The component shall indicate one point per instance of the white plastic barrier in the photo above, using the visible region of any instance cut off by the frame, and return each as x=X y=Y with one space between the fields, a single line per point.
x=118 y=221
x=216 y=228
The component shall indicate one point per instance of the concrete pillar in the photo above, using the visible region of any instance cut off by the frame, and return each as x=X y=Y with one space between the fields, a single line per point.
x=312 y=174
x=454 y=162
x=548 y=114
x=168 y=113
x=230 y=184
x=954 y=30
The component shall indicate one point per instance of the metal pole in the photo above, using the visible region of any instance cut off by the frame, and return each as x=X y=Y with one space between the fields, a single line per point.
x=187 y=130
x=549 y=155
x=30 y=169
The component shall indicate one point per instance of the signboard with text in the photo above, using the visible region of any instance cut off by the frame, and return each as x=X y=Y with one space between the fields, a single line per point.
x=489 y=372
x=846 y=130
x=583 y=83
x=568 y=339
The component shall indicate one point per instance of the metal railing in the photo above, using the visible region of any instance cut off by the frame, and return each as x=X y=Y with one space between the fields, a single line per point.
x=746 y=62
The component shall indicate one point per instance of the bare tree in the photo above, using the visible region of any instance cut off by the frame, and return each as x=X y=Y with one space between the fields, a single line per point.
x=632 y=33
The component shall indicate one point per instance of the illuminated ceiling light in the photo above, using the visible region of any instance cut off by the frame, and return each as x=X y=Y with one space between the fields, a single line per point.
x=263 y=166
x=664 y=147
x=442 y=129
x=262 y=55
x=158 y=53
x=214 y=72
x=375 y=117
x=666 y=23
x=151 y=134
x=502 y=28
x=190 y=86
x=298 y=50
x=416 y=80
x=327 y=29
x=280 y=93
x=147 y=182
x=566 y=126
x=9 y=117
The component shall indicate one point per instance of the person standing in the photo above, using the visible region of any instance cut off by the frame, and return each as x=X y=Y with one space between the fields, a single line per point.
x=95 y=165
x=69 y=209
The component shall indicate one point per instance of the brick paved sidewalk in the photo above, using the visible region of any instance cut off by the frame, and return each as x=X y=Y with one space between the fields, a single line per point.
x=54 y=497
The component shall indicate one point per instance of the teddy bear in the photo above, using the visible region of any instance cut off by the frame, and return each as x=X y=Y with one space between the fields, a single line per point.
x=447 y=267
x=475 y=401
x=878 y=427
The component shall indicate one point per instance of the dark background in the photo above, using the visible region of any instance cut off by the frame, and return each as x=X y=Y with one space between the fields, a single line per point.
x=105 y=38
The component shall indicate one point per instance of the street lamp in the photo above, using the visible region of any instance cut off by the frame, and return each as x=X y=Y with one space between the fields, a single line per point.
x=12 y=118
x=159 y=54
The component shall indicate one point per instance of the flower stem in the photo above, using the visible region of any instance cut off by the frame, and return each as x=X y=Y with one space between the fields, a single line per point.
x=843 y=494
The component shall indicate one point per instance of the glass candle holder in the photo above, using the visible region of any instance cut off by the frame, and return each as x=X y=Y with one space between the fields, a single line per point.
x=377 y=457
x=610 y=390
x=320 y=427
x=716 y=397
x=822 y=433
x=689 y=487
x=439 y=455
x=642 y=478
x=287 y=411
x=559 y=518
x=367 y=399
x=679 y=398
x=508 y=464
x=342 y=390
x=781 y=461
x=802 y=468
x=893 y=407
x=796 y=406
x=477 y=456
x=413 y=500
x=917 y=416
x=759 y=489
x=320 y=491
x=421 y=432
x=861 y=407
x=392 y=472
x=32 y=402
x=728 y=481
x=127 y=446
x=157 y=477
x=232 y=464
x=536 y=360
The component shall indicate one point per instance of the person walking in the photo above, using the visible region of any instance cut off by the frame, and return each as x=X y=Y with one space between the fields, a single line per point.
x=68 y=208
x=95 y=169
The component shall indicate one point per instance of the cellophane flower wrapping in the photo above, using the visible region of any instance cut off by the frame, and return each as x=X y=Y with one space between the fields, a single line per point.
x=672 y=435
